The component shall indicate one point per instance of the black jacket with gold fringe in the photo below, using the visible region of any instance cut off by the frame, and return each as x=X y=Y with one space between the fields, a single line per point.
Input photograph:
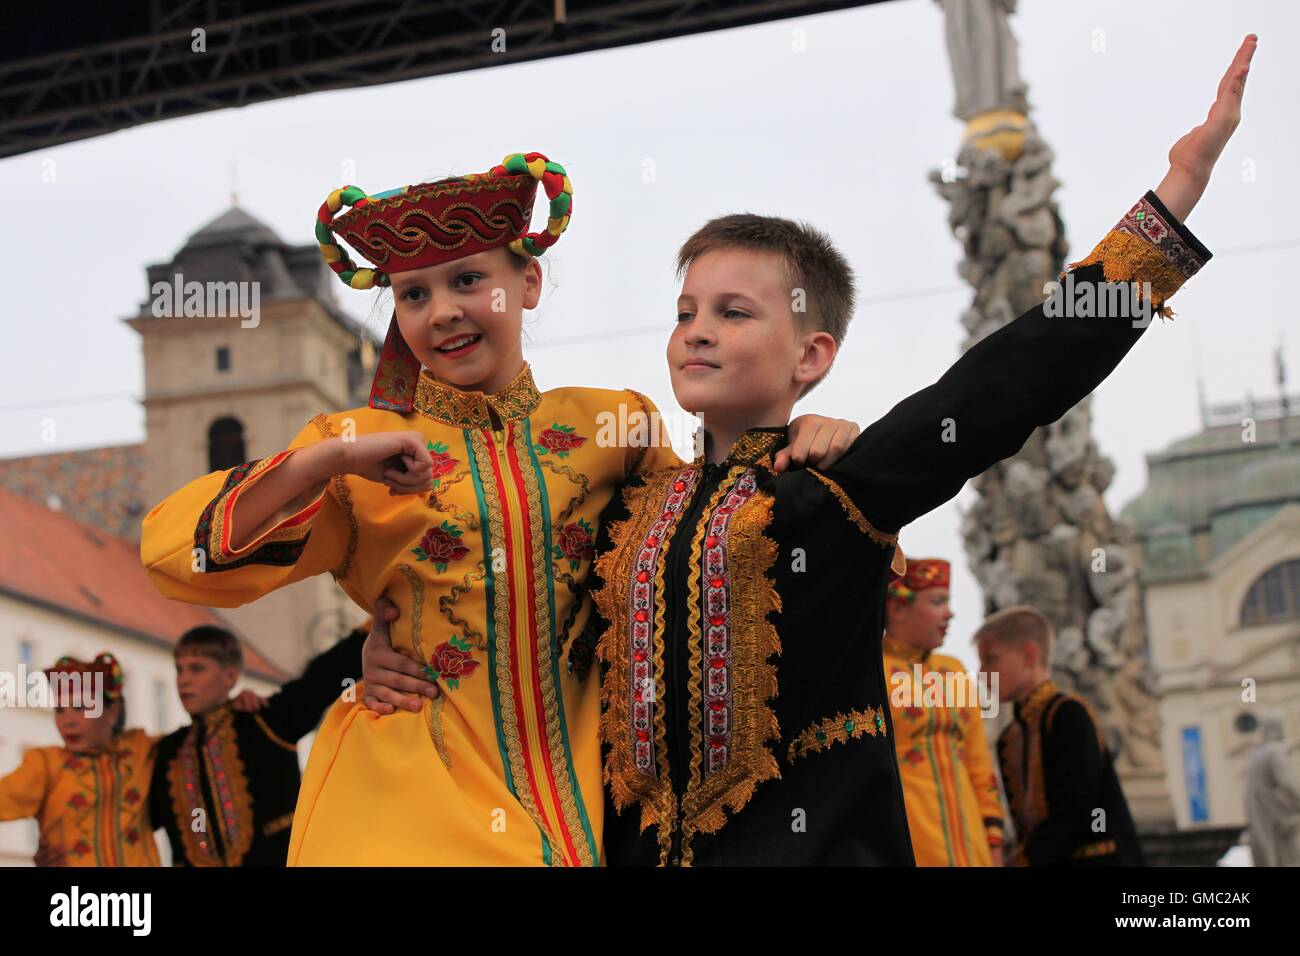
x=746 y=717
x=225 y=787
x=1065 y=795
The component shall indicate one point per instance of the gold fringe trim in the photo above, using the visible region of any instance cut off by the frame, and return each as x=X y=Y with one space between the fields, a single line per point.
x=273 y=736
x=753 y=640
x=614 y=567
x=1095 y=849
x=898 y=563
x=839 y=729
x=1125 y=257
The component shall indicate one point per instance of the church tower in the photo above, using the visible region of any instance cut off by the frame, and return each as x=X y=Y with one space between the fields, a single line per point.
x=243 y=345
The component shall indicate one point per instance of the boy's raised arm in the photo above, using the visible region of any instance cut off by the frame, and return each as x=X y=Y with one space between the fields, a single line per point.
x=1031 y=371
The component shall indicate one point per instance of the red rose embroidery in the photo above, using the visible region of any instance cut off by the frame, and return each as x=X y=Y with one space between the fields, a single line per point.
x=560 y=439
x=441 y=545
x=81 y=848
x=577 y=543
x=78 y=801
x=442 y=461
x=914 y=757
x=914 y=711
x=132 y=796
x=451 y=661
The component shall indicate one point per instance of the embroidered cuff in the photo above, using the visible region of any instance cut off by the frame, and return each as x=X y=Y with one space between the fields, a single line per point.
x=282 y=543
x=1149 y=245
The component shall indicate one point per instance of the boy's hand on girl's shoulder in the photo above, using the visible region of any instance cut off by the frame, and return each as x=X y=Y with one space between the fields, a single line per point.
x=390 y=677
x=400 y=460
x=250 y=702
x=816 y=442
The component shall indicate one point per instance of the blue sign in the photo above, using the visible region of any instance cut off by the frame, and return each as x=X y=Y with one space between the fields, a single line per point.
x=1194 y=775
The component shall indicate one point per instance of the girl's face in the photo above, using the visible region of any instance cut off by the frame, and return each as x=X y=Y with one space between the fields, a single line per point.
x=462 y=319
x=84 y=733
x=923 y=622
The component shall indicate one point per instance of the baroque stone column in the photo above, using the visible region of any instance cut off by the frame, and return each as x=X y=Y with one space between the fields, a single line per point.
x=1039 y=532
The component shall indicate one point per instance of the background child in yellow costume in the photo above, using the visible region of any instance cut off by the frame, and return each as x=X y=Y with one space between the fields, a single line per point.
x=954 y=811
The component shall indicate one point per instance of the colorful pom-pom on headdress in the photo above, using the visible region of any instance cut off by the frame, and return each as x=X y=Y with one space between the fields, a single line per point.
x=61 y=675
x=413 y=227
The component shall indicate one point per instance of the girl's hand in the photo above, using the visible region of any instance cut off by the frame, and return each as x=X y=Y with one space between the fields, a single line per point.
x=400 y=460
x=390 y=677
x=1192 y=158
x=815 y=442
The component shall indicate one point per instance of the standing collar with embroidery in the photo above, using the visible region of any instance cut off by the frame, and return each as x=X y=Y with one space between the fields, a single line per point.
x=451 y=406
x=216 y=718
x=906 y=651
x=1033 y=705
x=753 y=445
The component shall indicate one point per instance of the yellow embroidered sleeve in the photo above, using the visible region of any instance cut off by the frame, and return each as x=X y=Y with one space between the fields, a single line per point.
x=185 y=542
x=658 y=450
x=23 y=791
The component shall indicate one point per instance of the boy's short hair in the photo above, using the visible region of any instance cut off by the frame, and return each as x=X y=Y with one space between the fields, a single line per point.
x=1018 y=625
x=813 y=264
x=208 y=640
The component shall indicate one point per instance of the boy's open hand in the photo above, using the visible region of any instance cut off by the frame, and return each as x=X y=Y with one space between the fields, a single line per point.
x=815 y=442
x=1192 y=158
x=400 y=460
x=388 y=673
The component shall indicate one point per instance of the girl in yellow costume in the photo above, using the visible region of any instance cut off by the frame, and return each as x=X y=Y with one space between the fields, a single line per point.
x=90 y=796
x=954 y=811
x=471 y=499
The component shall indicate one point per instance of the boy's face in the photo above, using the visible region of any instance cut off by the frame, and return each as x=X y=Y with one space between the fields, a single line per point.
x=83 y=732
x=736 y=356
x=202 y=683
x=462 y=319
x=922 y=622
x=1014 y=665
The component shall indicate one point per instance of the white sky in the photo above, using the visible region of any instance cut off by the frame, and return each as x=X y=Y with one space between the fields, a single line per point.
x=842 y=135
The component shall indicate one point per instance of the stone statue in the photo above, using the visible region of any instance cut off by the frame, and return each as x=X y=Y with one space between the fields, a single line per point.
x=1040 y=533
x=1273 y=801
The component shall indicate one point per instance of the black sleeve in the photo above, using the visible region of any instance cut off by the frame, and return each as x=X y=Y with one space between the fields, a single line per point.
x=296 y=709
x=1025 y=375
x=159 y=809
x=582 y=648
x=1073 y=767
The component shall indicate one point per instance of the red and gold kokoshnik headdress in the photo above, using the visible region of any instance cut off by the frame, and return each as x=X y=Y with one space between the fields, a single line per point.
x=431 y=223
x=105 y=665
x=921 y=573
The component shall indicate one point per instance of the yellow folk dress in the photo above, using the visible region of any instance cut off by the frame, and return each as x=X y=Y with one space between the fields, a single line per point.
x=954 y=811
x=488 y=572
x=94 y=806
